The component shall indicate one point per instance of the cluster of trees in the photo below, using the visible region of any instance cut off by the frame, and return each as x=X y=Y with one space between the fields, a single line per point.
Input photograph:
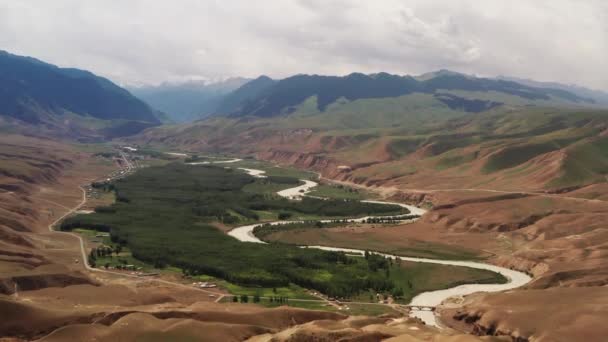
x=105 y=186
x=164 y=221
x=390 y=219
x=106 y=154
x=264 y=230
x=324 y=207
x=195 y=158
x=377 y=262
x=256 y=299
x=103 y=252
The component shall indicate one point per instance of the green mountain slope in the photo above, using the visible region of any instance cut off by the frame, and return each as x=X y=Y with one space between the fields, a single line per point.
x=456 y=91
x=534 y=148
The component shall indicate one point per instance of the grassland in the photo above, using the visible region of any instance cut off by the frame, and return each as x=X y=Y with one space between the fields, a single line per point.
x=587 y=163
x=403 y=247
x=453 y=150
x=421 y=277
x=338 y=192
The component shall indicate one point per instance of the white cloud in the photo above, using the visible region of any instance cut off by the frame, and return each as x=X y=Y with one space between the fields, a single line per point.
x=141 y=41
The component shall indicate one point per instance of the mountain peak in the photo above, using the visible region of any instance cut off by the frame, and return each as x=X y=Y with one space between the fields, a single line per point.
x=441 y=73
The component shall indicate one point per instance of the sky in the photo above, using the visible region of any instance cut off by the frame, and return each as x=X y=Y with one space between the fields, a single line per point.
x=139 y=42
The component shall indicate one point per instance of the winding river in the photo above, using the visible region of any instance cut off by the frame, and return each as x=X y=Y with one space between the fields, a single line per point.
x=425 y=299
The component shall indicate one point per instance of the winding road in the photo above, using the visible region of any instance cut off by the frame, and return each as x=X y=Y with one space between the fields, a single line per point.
x=425 y=299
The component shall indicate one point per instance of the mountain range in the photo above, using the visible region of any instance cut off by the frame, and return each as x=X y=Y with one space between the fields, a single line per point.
x=38 y=97
x=284 y=96
x=512 y=170
x=445 y=90
x=598 y=96
x=388 y=128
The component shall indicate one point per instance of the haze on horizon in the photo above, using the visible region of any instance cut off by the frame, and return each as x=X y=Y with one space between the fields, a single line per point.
x=142 y=42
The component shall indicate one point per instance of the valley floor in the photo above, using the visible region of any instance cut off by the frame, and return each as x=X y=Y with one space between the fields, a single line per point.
x=557 y=238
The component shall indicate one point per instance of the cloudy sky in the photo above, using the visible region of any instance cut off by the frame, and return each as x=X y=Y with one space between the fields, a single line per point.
x=147 y=42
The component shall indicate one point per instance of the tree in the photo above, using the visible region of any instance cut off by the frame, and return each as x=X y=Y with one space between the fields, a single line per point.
x=284 y=215
x=244 y=298
x=92 y=257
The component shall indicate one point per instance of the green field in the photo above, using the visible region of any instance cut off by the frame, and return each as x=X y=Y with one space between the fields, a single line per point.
x=338 y=191
x=403 y=247
x=480 y=149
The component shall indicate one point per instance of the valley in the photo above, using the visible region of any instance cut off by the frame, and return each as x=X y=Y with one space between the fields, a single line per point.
x=472 y=233
x=363 y=207
x=99 y=223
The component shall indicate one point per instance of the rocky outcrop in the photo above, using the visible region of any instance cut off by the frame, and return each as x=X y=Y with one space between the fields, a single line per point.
x=487 y=329
x=420 y=199
x=41 y=281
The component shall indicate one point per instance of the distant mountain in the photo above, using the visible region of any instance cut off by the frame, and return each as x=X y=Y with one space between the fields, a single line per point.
x=455 y=91
x=190 y=101
x=235 y=101
x=68 y=101
x=598 y=96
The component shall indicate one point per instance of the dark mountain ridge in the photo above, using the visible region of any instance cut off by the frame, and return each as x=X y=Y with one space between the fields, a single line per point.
x=239 y=98
x=34 y=92
x=281 y=97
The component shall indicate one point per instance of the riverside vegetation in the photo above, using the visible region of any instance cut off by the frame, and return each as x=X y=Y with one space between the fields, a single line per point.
x=165 y=216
